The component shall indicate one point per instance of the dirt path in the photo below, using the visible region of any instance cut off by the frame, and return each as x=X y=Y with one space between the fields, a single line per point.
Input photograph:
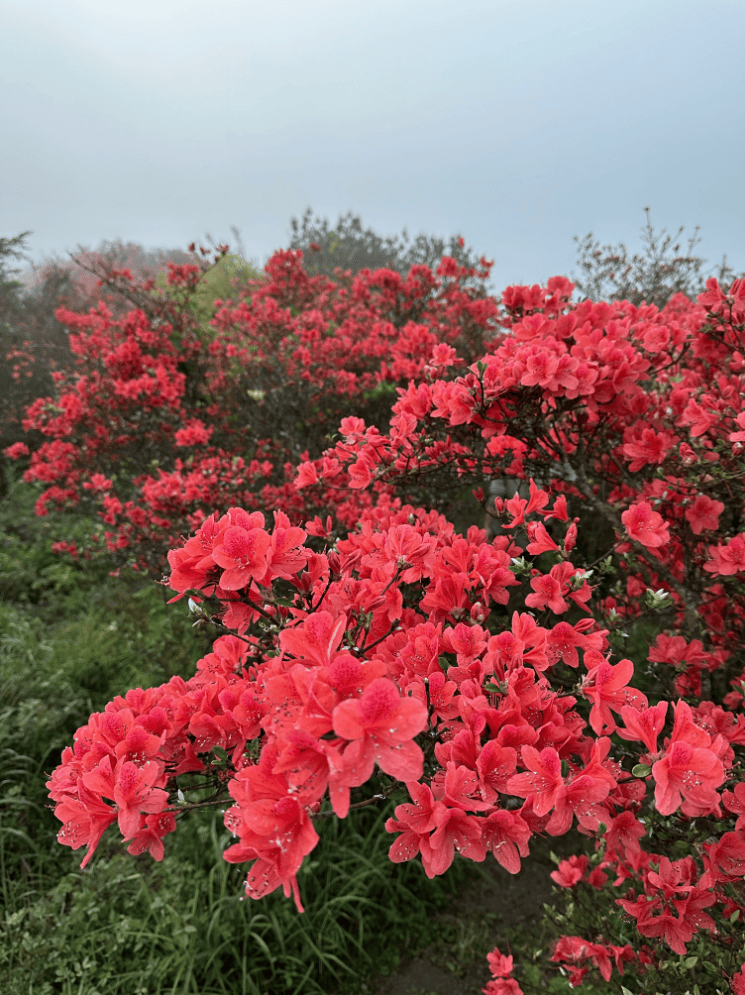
x=496 y=899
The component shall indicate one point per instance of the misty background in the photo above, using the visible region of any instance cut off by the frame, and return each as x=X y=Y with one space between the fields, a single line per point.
x=517 y=125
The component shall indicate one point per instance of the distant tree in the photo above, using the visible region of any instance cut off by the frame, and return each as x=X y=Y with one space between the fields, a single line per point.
x=350 y=247
x=74 y=281
x=11 y=305
x=15 y=355
x=610 y=273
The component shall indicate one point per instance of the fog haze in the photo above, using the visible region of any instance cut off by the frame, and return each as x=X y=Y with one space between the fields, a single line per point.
x=514 y=124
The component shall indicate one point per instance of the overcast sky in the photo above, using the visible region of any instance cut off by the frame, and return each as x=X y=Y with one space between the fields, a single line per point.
x=515 y=123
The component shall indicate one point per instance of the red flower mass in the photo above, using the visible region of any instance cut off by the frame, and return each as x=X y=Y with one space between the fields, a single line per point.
x=484 y=670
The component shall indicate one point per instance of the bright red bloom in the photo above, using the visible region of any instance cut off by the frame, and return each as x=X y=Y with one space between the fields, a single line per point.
x=274 y=828
x=502 y=986
x=673 y=919
x=414 y=821
x=570 y=872
x=540 y=540
x=548 y=593
x=150 y=837
x=737 y=982
x=131 y=787
x=243 y=554
x=727 y=560
x=286 y=555
x=544 y=780
x=646 y=525
x=316 y=639
x=644 y=724
x=499 y=964
x=650 y=448
x=726 y=858
x=455 y=831
x=687 y=776
x=506 y=835
x=562 y=643
x=734 y=801
x=85 y=818
x=381 y=726
x=606 y=687
x=703 y=514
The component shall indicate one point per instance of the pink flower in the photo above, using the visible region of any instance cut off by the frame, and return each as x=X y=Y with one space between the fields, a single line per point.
x=505 y=833
x=85 y=818
x=644 y=724
x=540 y=540
x=548 y=594
x=17 y=450
x=544 y=780
x=243 y=554
x=381 y=726
x=737 y=982
x=307 y=475
x=316 y=639
x=150 y=837
x=499 y=965
x=455 y=831
x=570 y=872
x=727 y=560
x=703 y=514
x=132 y=789
x=606 y=687
x=645 y=525
x=734 y=801
x=650 y=448
x=688 y=775
x=502 y=986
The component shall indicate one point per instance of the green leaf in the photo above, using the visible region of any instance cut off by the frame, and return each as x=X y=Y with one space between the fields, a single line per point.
x=641 y=770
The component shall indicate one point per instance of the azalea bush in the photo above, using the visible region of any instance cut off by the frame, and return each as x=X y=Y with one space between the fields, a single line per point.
x=167 y=414
x=501 y=689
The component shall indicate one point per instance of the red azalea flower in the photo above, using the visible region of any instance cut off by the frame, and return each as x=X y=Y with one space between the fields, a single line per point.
x=646 y=525
x=381 y=726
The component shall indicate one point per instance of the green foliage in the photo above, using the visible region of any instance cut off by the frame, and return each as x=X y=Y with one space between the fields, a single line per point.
x=224 y=281
x=132 y=926
x=11 y=250
x=71 y=638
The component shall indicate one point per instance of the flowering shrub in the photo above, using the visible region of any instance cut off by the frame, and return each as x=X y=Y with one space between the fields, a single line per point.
x=163 y=418
x=489 y=678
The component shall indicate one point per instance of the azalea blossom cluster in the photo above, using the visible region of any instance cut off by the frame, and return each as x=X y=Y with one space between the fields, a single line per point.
x=485 y=673
x=382 y=656
x=163 y=417
x=641 y=403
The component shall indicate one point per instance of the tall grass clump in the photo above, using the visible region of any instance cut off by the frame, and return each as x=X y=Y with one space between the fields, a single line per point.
x=72 y=637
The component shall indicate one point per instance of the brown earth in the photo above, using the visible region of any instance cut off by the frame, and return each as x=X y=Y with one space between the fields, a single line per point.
x=495 y=899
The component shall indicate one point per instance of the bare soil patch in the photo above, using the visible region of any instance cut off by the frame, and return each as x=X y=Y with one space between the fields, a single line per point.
x=488 y=906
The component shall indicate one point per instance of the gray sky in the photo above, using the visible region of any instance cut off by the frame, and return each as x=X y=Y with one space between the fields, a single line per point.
x=516 y=123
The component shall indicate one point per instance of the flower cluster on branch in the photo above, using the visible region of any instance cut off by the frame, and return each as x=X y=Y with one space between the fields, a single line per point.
x=482 y=675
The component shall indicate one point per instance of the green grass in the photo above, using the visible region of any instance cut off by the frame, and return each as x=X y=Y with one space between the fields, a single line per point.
x=72 y=637
x=132 y=926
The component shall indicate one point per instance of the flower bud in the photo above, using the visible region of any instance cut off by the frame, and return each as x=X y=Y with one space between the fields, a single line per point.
x=478 y=613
